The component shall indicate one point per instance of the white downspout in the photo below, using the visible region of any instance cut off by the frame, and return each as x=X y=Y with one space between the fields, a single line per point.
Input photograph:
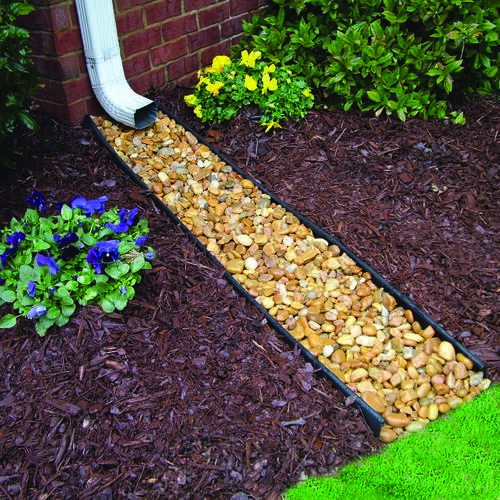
x=104 y=64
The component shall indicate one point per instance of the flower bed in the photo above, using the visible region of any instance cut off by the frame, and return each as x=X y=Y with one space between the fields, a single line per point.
x=368 y=337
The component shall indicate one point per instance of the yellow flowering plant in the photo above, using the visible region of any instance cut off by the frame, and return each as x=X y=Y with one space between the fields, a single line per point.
x=227 y=86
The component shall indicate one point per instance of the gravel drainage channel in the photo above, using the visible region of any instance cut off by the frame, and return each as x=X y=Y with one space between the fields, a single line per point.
x=398 y=366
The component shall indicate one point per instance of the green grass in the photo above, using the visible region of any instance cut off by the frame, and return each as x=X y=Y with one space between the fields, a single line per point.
x=455 y=457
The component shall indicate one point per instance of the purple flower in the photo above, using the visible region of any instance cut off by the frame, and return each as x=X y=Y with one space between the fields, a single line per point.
x=141 y=240
x=36 y=311
x=31 y=288
x=65 y=240
x=15 y=239
x=126 y=220
x=42 y=260
x=150 y=255
x=3 y=256
x=103 y=252
x=89 y=206
x=70 y=252
x=36 y=199
x=123 y=290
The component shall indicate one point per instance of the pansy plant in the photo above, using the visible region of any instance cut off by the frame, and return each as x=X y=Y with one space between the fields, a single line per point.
x=82 y=255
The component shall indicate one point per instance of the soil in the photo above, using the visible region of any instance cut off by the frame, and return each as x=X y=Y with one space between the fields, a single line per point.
x=188 y=393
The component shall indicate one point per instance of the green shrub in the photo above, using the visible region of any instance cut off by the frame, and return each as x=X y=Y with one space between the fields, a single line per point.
x=226 y=87
x=395 y=56
x=17 y=76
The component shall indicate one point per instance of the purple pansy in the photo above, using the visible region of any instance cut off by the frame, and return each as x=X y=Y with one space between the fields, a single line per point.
x=36 y=199
x=126 y=220
x=103 y=252
x=42 y=260
x=89 y=206
x=141 y=240
x=67 y=239
x=31 y=288
x=36 y=311
x=14 y=241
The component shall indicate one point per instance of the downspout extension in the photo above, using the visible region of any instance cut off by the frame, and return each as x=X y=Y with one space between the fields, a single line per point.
x=104 y=64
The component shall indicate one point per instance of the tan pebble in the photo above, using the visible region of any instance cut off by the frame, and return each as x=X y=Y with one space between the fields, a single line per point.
x=444 y=407
x=423 y=390
x=244 y=239
x=247 y=184
x=419 y=360
x=338 y=356
x=408 y=395
x=397 y=419
x=365 y=340
x=396 y=379
x=415 y=337
x=267 y=302
x=433 y=411
x=387 y=435
x=415 y=426
x=389 y=301
x=465 y=360
x=415 y=326
x=328 y=350
x=365 y=386
x=345 y=340
x=358 y=374
x=412 y=372
x=423 y=412
x=460 y=371
x=446 y=351
x=374 y=400
x=235 y=266
x=428 y=332
x=369 y=329
x=476 y=378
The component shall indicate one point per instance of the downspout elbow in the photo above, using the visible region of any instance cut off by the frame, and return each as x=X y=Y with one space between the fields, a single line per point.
x=104 y=64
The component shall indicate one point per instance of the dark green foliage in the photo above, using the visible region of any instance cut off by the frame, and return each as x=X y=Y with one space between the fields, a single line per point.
x=17 y=76
x=399 y=56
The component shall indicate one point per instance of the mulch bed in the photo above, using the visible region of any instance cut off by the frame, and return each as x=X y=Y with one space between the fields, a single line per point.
x=188 y=393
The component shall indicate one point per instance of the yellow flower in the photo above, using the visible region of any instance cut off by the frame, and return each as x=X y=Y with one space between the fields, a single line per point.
x=268 y=83
x=197 y=111
x=248 y=60
x=271 y=124
x=203 y=80
x=269 y=69
x=190 y=100
x=307 y=93
x=214 y=88
x=220 y=62
x=250 y=83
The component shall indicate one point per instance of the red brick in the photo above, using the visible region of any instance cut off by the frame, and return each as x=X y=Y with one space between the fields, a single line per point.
x=77 y=89
x=168 y=52
x=182 y=67
x=162 y=10
x=49 y=19
x=61 y=68
x=231 y=27
x=243 y=6
x=137 y=64
x=203 y=38
x=145 y=39
x=209 y=53
x=179 y=27
x=147 y=81
x=213 y=15
x=67 y=41
x=122 y=5
x=196 y=4
x=130 y=21
x=51 y=91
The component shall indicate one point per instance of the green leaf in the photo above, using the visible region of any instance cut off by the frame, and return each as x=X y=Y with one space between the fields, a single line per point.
x=107 y=306
x=117 y=269
x=53 y=312
x=7 y=295
x=84 y=278
x=373 y=95
x=66 y=213
x=137 y=264
x=8 y=321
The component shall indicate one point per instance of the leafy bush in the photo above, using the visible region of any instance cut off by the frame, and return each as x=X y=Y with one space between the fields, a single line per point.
x=226 y=87
x=83 y=255
x=17 y=76
x=395 y=56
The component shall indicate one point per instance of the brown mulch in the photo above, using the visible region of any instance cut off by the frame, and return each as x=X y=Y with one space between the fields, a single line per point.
x=187 y=393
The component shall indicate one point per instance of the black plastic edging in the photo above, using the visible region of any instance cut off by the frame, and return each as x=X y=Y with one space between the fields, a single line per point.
x=374 y=419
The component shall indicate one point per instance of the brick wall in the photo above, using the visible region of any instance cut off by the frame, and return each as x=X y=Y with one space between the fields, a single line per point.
x=162 y=41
